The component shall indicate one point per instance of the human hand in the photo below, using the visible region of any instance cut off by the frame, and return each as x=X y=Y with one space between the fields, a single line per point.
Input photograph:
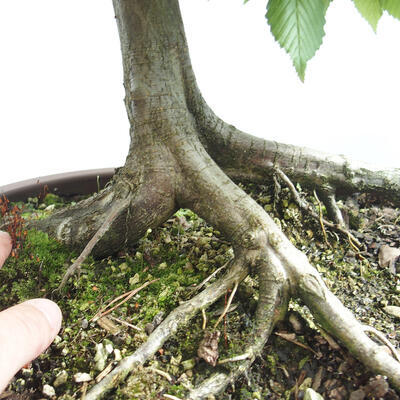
x=26 y=330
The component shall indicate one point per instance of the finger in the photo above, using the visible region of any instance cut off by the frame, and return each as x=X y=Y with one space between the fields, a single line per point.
x=5 y=247
x=26 y=330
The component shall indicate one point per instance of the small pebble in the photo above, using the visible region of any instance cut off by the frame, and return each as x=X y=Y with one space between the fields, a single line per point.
x=48 y=391
x=117 y=355
x=311 y=394
x=101 y=357
x=84 y=323
x=82 y=377
x=61 y=378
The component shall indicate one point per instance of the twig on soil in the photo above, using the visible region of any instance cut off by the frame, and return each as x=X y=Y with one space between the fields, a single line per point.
x=105 y=372
x=122 y=322
x=115 y=211
x=288 y=337
x=203 y=327
x=383 y=339
x=242 y=357
x=307 y=207
x=164 y=374
x=84 y=389
x=228 y=304
x=127 y=296
x=169 y=396
x=201 y=284
x=168 y=327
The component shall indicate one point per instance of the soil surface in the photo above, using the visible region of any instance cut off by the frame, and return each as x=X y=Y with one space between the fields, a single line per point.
x=178 y=257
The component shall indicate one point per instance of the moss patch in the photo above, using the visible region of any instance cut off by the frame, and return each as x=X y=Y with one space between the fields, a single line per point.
x=181 y=254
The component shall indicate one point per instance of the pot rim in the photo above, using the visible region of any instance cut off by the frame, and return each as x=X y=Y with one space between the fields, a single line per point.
x=65 y=184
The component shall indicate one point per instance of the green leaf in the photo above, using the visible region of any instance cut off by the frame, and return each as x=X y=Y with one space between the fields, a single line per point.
x=371 y=10
x=392 y=7
x=298 y=26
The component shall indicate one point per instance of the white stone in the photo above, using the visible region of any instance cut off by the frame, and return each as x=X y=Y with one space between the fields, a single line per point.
x=311 y=394
x=82 y=377
x=48 y=391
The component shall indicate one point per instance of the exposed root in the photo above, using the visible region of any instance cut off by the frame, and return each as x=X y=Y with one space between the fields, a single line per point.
x=307 y=207
x=383 y=339
x=334 y=213
x=321 y=219
x=269 y=310
x=246 y=157
x=336 y=319
x=181 y=315
x=113 y=213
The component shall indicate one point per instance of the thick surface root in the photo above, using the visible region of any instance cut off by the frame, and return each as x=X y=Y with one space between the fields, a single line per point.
x=167 y=328
x=249 y=158
x=115 y=218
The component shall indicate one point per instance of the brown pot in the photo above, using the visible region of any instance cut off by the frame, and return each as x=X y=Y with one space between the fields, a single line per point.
x=66 y=184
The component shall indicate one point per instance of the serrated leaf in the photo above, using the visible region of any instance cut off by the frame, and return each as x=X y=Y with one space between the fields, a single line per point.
x=371 y=10
x=392 y=7
x=298 y=26
x=327 y=4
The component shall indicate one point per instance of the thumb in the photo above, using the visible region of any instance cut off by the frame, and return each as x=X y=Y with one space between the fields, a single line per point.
x=5 y=246
x=26 y=330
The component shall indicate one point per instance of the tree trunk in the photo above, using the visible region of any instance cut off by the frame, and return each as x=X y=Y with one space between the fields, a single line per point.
x=178 y=154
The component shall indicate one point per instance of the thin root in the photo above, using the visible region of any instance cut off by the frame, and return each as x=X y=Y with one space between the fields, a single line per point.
x=321 y=219
x=383 y=339
x=112 y=215
x=306 y=207
x=167 y=328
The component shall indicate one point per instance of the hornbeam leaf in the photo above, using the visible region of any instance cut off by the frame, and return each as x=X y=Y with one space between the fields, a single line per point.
x=392 y=7
x=298 y=26
x=371 y=10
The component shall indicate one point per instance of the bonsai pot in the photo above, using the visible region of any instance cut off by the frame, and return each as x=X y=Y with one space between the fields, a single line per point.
x=66 y=184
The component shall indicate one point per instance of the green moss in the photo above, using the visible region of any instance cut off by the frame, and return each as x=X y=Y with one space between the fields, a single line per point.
x=181 y=254
x=36 y=271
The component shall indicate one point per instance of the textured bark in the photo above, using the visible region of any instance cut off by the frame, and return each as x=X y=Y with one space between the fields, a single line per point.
x=180 y=156
x=243 y=156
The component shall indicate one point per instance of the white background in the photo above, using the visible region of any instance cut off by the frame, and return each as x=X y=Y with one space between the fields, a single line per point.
x=61 y=93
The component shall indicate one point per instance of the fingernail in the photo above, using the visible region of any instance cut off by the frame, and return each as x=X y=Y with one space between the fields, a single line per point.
x=50 y=310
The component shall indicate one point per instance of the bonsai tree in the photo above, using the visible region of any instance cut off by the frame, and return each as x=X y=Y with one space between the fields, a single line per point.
x=182 y=155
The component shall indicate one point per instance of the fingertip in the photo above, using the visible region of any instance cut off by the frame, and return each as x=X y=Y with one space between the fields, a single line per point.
x=26 y=330
x=50 y=310
x=5 y=246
